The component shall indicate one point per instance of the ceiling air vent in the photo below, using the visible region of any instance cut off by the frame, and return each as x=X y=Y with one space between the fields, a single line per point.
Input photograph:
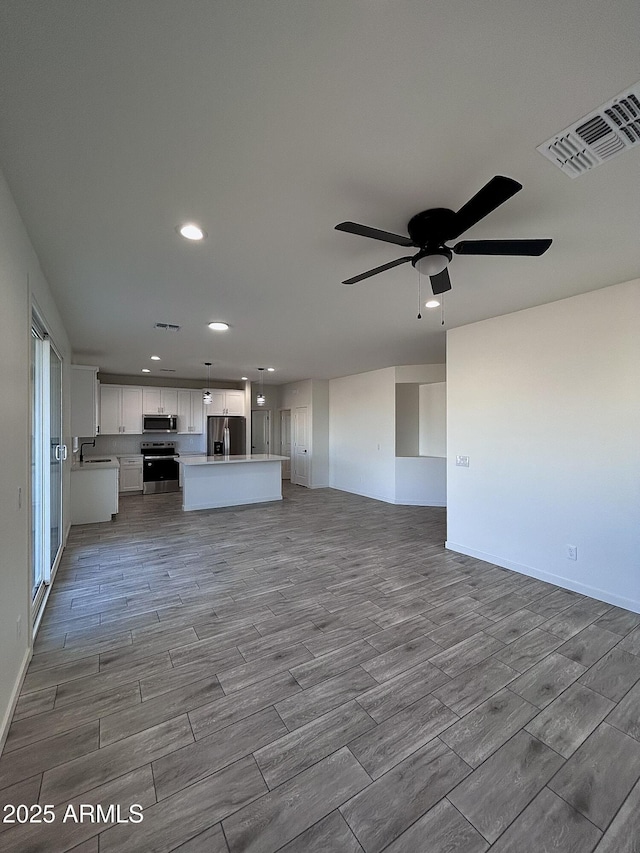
x=167 y=327
x=167 y=370
x=606 y=132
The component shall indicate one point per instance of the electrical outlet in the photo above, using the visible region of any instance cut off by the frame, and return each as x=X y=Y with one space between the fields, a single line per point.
x=572 y=552
x=462 y=461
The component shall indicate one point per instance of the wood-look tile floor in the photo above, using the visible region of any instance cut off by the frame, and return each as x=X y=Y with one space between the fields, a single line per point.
x=319 y=675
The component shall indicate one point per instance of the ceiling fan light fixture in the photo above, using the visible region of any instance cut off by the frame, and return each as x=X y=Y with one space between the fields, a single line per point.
x=432 y=263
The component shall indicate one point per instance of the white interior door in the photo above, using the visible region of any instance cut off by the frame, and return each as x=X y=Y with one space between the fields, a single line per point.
x=260 y=431
x=285 y=442
x=300 y=473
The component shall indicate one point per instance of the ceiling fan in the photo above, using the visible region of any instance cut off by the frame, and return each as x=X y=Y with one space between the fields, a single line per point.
x=431 y=229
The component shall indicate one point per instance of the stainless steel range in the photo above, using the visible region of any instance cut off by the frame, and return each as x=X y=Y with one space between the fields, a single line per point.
x=159 y=467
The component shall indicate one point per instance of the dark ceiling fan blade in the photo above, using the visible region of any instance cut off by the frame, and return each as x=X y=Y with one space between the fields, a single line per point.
x=375 y=271
x=441 y=282
x=502 y=247
x=374 y=233
x=492 y=195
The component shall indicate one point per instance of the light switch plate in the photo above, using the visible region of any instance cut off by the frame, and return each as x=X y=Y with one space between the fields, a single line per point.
x=462 y=461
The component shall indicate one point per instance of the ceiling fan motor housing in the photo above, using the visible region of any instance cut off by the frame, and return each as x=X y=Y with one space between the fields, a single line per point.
x=430 y=228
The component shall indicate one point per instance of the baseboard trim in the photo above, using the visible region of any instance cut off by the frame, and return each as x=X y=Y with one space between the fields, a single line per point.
x=420 y=503
x=539 y=574
x=6 y=720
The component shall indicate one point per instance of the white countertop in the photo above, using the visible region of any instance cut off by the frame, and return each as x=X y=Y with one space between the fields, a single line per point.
x=230 y=460
x=88 y=465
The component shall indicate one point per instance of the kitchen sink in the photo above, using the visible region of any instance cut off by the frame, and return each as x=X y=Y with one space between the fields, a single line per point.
x=90 y=461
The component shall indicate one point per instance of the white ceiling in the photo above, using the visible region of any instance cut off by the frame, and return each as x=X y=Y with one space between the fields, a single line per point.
x=270 y=122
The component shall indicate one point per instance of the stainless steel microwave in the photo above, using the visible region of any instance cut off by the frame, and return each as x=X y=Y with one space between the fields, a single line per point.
x=159 y=423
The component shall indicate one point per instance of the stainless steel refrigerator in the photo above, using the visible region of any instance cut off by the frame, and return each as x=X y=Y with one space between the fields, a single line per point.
x=226 y=435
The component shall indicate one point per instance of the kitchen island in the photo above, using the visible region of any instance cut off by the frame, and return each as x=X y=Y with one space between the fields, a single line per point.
x=209 y=482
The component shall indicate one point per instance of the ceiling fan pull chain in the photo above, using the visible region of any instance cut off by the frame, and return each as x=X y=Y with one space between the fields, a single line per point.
x=442 y=311
x=419 y=297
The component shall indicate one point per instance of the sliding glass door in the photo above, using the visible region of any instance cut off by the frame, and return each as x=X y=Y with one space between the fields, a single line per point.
x=37 y=468
x=48 y=453
x=57 y=455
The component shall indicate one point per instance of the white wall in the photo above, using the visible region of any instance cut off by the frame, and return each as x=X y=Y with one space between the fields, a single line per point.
x=362 y=434
x=433 y=419
x=421 y=481
x=407 y=418
x=320 y=433
x=367 y=429
x=546 y=404
x=421 y=373
x=20 y=280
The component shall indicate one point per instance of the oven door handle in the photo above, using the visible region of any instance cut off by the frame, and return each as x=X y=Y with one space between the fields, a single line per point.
x=160 y=458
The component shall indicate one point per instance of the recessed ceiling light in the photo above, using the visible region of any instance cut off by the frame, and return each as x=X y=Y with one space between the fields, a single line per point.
x=270 y=369
x=146 y=370
x=244 y=378
x=432 y=303
x=190 y=231
x=219 y=327
x=155 y=358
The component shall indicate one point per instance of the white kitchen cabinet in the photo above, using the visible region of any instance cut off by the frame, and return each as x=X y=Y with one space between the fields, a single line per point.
x=120 y=410
x=226 y=402
x=84 y=405
x=159 y=401
x=130 y=473
x=190 y=412
x=216 y=407
x=94 y=493
x=234 y=402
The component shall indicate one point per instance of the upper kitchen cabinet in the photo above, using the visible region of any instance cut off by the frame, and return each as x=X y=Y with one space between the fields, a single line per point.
x=234 y=402
x=84 y=400
x=226 y=402
x=120 y=409
x=190 y=412
x=159 y=401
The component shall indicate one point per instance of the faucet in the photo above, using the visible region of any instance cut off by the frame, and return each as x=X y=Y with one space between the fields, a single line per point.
x=84 y=444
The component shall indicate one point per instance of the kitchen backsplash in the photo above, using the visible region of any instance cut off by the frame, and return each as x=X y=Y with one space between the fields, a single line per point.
x=121 y=445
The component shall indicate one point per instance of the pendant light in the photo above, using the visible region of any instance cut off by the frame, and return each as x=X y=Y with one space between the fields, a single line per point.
x=261 y=399
x=206 y=397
